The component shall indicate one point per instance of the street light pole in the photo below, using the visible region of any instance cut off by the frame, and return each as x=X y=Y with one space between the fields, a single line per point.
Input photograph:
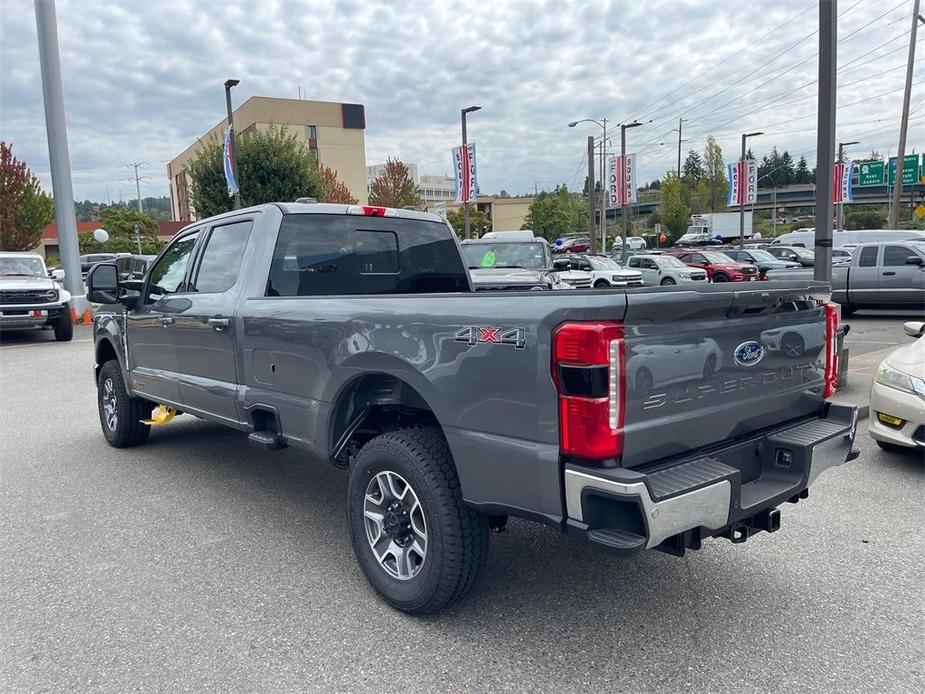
x=904 y=122
x=467 y=110
x=742 y=182
x=604 y=194
x=841 y=161
x=825 y=138
x=234 y=150
x=624 y=220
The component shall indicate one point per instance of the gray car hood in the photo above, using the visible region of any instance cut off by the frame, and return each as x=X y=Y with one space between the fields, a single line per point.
x=32 y=283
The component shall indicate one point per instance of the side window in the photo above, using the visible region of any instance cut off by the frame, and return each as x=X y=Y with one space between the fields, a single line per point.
x=868 y=257
x=895 y=255
x=166 y=277
x=697 y=258
x=221 y=260
x=650 y=264
x=636 y=262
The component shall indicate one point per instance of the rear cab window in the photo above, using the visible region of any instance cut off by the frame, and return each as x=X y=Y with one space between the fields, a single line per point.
x=327 y=255
x=868 y=257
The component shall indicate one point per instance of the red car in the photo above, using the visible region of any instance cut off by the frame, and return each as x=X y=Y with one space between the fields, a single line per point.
x=719 y=267
x=573 y=245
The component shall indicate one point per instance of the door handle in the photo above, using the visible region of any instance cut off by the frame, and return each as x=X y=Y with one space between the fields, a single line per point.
x=886 y=274
x=219 y=324
x=167 y=320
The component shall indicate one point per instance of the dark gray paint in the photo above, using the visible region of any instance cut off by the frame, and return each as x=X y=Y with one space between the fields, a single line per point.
x=497 y=404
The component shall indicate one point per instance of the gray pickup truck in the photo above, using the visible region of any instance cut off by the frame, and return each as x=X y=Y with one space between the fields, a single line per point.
x=649 y=418
x=887 y=274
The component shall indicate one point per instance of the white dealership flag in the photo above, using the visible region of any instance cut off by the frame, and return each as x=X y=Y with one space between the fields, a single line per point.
x=467 y=187
x=621 y=190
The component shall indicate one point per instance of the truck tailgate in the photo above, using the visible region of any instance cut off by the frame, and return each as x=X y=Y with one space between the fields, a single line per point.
x=710 y=366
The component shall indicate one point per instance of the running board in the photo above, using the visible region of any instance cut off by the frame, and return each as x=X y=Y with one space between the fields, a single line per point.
x=266 y=440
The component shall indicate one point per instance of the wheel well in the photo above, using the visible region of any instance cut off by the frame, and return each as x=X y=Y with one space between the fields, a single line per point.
x=105 y=352
x=370 y=405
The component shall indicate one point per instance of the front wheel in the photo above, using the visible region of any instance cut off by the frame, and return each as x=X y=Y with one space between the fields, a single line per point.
x=420 y=547
x=64 y=327
x=120 y=413
x=720 y=277
x=602 y=284
x=667 y=282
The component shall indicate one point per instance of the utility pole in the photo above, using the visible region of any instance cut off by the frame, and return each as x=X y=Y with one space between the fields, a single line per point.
x=825 y=137
x=743 y=179
x=591 y=192
x=622 y=174
x=840 y=217
x=463 y=113
x=234 y=150
x=680 y=123
x=46 y=23
x=904 y=123
x=137 y=180
x=604 y=195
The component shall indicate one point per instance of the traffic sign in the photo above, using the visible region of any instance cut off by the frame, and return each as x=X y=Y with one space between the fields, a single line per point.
x=910 y=170
x=920 y=211
x=870 y=173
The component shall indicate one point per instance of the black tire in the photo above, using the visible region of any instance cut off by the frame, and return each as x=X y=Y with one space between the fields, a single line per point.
x=127 y=429
x=64 y=328
x=602 y=284
x=668 y=282
x=720 y=277
x=893 y=448
x=847 y=310
x=456 y=536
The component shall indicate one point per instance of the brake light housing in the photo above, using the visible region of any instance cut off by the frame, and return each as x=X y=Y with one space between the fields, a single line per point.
x=832 y=316
x=589 y=370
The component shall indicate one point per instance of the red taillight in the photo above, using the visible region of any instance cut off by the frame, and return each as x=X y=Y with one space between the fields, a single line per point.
x=591 y=423
x=371 y=211
x=831 y=349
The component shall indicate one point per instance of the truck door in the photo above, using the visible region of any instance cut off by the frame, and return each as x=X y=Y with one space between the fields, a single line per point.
x=901 y=283
x=150 y=326
x=205 y=330
x=864 y=278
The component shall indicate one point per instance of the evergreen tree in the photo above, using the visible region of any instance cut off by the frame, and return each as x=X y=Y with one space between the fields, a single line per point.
x=693 y=167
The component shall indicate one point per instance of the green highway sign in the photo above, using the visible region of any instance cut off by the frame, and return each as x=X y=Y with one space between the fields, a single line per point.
x=870 y=173
x=910 y=170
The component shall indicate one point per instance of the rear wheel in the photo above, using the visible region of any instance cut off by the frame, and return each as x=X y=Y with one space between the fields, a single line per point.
x=420 y=547
x=667 y=282
x=64 y=328
x=848 y=310
x=720 y=277
x=120 y=413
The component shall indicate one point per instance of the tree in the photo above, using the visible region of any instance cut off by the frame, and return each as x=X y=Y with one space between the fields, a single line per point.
x=120 y=223
x=331 y=189
x=25 y=210
x=673 y=212
x=504 y=194
x=865 y=219
x=801 y=173
x=556 y=214
x=273 y=166
x=693 y=167
x=395 y=187
x=479 y=223
x=714 y=173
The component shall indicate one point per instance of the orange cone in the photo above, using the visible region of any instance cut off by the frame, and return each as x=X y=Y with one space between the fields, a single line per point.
x=87 y=317
x=75 y=319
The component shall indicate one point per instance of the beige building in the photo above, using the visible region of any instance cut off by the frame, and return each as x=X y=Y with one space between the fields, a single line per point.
x=432 y=188
x=506 y=214
x=334 y=132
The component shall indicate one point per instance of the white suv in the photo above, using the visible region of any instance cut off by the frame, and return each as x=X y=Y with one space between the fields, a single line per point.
x=665 y=270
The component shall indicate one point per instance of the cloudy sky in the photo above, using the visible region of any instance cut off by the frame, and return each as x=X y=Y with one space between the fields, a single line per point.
x=143 y=79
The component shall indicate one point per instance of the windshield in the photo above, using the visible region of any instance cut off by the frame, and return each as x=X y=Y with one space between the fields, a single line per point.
x=718 y=258
x=762 y=255
x=802 y=252
x=669 y=261
x=603 y=263
x=24 y=266
x=490 y=255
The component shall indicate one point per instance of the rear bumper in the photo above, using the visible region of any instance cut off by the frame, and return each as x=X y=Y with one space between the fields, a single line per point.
x=732 y=490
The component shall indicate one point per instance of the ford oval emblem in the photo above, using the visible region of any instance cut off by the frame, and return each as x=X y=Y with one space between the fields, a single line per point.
x=749 y=353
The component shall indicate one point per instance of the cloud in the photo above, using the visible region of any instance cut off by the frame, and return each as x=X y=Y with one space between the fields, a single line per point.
x=143 y=79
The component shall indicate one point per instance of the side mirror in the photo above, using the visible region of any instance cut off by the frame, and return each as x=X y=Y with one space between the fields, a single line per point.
x=914 y=328
x=103 y=284
x=57 y=274
x=914 y=260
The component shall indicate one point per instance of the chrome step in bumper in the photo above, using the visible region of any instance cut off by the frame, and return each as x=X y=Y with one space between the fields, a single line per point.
x=676 y=503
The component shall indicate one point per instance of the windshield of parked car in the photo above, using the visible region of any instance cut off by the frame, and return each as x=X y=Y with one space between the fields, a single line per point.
x=762 y=255
x=714 y=257
x=529 y=255
x=22 y=267
x=603 y=263
x=803 y=252
x=669 y=261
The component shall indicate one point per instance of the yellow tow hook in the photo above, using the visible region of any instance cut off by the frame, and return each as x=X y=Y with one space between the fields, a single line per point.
x=162 y=415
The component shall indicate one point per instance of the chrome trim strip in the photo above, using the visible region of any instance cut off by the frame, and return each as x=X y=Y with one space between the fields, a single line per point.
x=707 y=506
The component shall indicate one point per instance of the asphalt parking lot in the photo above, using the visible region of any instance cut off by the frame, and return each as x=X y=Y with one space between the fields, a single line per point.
x=196 y=563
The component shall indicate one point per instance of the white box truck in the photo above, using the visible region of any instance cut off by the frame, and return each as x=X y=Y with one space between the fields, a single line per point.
x=707 y=227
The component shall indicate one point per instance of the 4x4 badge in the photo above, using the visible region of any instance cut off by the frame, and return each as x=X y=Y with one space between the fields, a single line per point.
x=473 y=335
